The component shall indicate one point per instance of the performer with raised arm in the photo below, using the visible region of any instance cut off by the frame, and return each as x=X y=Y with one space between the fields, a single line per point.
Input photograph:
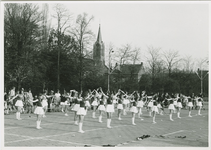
x=179 y=106
x=82 y=111
x=120 y=106
x=109 y=110
x=45 y=102
x=150 y=105
x=39 y=111
x=154 y=111
x=76 y=106
x=140 y=105
x=57 y=99
x=171 y=108
x=19 y=104
x=199 y=104
x=190 y=105
x=101 y=107
x=134 y=110
x=95 y=104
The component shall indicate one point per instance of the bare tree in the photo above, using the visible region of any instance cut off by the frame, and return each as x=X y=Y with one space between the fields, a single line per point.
x=63 y=17
x=171 y=58
x=136 y=55
x=188 y=63
x=83 y=36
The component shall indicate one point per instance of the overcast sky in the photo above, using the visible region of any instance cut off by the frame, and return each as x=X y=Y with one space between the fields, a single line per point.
x=175 y=26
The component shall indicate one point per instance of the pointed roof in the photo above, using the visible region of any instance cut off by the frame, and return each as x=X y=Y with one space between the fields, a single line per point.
x=99 y=37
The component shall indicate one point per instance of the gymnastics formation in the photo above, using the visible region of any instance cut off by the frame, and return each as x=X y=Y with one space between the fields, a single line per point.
x=94 y=101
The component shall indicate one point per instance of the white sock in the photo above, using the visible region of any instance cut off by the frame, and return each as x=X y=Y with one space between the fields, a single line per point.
x=80 y=127
x=150 y=113
x=199 y=112
x=189 y=113
x=153 y=119
x=100 y=118
x=19 y=115
x=178 y=114
x=133 y=120
x=37 y=124
x=170 y=116
x=16 y=115
x=93 y=114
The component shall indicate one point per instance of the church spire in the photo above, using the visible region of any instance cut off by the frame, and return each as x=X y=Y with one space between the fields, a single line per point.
x=99 y=37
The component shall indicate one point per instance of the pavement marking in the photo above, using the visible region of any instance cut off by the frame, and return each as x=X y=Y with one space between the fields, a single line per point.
x=173 y=132
x=18 y=141
x=68 y=142
x=41 y=124
x=19 y=135
x=85 y=131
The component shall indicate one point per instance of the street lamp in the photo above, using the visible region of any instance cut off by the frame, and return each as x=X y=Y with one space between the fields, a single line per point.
x=109 y=68
x=201 y=78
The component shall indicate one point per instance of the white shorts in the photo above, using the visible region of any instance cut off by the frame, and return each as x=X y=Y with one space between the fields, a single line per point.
x=64 y=103
x=101 y=107
x=199 y=104
x=140 y=104
x=134 y=109
x=171 y=106
x=19 y=103
x=155 y=109
x=150 y=104
x=110 y=108
x=39 y=110
x=81 y=111
x=44 y=103
x=94 y=103
x=190 y=104
x=76 y=107
x=179 y=104
x=159 y=106
x=119 y=106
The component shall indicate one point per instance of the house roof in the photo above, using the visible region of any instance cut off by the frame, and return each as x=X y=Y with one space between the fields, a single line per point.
x=131 y=68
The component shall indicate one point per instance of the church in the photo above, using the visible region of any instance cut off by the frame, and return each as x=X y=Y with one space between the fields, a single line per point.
x=122 y=73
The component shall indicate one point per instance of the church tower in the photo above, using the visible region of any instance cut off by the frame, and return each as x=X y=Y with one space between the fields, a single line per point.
x=99 y=50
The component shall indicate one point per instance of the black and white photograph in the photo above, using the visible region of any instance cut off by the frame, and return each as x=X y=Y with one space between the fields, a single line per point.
x=105 y=74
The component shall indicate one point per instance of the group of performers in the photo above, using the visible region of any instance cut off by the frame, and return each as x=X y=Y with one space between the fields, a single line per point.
x=97 y=100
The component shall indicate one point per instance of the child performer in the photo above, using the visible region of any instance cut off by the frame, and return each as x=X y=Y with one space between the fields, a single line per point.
x=190 y=105
x=109 y=110
x=199 y=104
x=120 y=106
x=140 y=106
x=179 y=106
x=101 y=108
x=134 y=110
x=154 y=111
x=150 y=104
x=94 y=104
x=76 y=107
x=81 y=113
x=65 y=102
x=45 y=102
x=39 y=111
x=175 y=105
x=171 y=108
x=57 y=99
x=19 y=104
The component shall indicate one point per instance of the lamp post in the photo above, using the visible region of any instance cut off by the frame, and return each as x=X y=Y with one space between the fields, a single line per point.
x=109 y=67
x=201 y=76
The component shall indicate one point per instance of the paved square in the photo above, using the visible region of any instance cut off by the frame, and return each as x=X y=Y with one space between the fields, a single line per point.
x=59 y=131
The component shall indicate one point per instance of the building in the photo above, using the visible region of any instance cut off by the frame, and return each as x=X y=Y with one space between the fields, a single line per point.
x=121 y=74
